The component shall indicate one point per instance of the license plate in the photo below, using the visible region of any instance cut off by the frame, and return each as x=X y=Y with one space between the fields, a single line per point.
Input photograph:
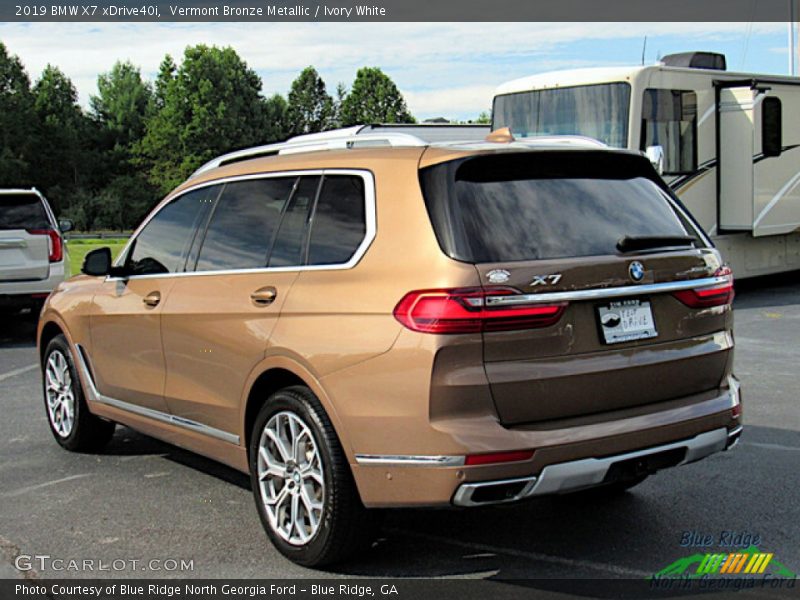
x=626 y=321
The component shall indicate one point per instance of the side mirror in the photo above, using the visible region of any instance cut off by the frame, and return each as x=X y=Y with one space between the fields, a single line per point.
x=97 y=262
x=65 y=225
x=656 y=156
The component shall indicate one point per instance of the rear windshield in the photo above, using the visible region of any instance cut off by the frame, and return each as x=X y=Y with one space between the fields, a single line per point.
x=22 y=211
x=517 y=207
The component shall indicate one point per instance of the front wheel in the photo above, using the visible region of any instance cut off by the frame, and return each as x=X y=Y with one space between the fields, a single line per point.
x=303 y=487
x=73 y=426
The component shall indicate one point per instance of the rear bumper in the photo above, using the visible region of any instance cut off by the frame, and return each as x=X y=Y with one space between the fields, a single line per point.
x=21 y=294
x=564 y=459
x=589 y=472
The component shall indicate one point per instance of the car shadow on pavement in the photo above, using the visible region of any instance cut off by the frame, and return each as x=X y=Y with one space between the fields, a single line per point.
x=127 y=442
x=17 y=331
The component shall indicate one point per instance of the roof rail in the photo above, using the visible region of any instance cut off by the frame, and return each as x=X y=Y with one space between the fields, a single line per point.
x=338 y=139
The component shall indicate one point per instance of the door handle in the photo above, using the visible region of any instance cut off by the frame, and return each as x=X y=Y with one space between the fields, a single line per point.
x=264 y=296
x=152 y=299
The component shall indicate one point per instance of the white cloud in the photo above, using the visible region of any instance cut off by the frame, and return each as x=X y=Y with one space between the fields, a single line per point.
x=443 y=68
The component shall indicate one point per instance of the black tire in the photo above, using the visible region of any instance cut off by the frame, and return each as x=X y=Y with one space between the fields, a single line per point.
x=87 y=433
x=345 y=526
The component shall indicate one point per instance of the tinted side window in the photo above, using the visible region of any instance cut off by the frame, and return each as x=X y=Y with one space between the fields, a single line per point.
x=339 y=222
x=291 y=238
x=22 y=211
x=669 y=120
x=241 y=230
x=161 y=247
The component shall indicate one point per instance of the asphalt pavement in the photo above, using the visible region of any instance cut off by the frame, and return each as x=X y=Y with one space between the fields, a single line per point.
x=142 y=501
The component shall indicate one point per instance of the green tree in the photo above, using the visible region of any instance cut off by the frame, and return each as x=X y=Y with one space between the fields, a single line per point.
x=60 y=162
x=211 y=105
x=166 y=74
x=485 y=118
x=310 y=106
x=277 y=117
x=17 y=117
x=374 y=98
x=121 y=107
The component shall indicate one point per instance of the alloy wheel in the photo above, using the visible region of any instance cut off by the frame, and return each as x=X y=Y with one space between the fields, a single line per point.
x=60 y=397
x=291 y=478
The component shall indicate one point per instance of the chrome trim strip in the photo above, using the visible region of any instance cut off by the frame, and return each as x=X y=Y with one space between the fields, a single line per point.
x=369 y=236
x=611 y=292
x=463 y=496
x=734 y=436
x=410 y=460
x=95 y=396
x=13 y=243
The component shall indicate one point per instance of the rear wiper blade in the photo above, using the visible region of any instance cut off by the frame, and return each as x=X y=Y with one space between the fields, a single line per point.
x=633 y=243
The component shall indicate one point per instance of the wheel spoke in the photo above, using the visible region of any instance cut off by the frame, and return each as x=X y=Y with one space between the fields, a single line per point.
x=279 y=444
x=273 y=468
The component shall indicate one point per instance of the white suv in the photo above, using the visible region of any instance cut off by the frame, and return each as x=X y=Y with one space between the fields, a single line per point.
x=33 y=255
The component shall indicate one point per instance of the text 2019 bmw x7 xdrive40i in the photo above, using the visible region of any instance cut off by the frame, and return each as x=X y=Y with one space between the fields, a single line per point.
x=365 y=323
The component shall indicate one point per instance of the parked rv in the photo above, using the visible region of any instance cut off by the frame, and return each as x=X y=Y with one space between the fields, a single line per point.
x=728 y=144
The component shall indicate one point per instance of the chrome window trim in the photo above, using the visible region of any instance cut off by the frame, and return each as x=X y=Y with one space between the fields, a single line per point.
x=409 y=460
x=95 y=396
x=369 y=236
x=610 y=292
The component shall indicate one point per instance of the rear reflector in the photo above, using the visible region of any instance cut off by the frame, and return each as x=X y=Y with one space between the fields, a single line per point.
x=717 y=295
x=55 y=246
x=464 y=310
x=498 y=457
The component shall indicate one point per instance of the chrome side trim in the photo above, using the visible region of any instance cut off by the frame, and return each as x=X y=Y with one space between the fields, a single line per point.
x=369 y=236
x=463 y=496
x=734 y=435
x=611 y=292
x=410 y=460
x=95 y=396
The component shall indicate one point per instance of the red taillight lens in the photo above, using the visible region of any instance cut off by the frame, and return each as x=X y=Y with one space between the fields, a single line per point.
x=55 y=247
x=464 y=310
x=497 y=457
x=716 y=295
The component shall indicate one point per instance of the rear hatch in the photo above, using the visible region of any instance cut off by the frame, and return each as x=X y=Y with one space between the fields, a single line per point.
x=24 y=239
x=590 y=268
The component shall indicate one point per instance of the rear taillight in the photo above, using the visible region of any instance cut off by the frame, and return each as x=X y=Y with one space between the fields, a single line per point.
x=705 y=297
x=465 y=310
x=55 y=246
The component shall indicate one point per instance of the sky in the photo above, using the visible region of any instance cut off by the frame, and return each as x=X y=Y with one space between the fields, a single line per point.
x=443 y=69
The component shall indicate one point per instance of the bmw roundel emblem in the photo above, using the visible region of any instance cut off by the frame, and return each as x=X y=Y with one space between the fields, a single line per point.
x=636 y=271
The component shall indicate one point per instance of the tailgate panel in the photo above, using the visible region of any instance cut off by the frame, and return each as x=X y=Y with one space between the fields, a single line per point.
x=558 y=387
x=23 y=256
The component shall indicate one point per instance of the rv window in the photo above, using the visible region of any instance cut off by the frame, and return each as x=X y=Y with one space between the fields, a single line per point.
x=669 y=120
x=771 y=123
